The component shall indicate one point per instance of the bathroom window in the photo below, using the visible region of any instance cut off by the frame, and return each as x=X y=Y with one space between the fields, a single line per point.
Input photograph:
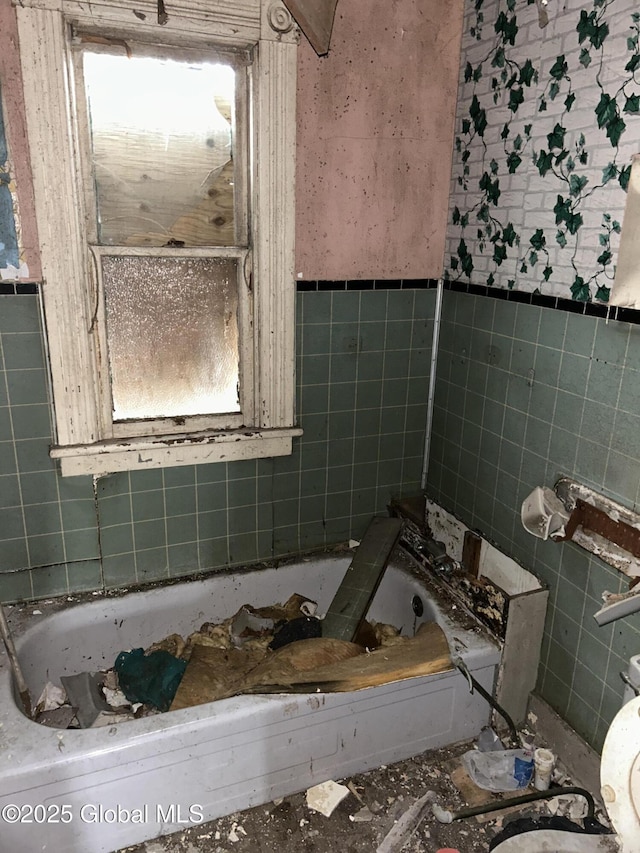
x=164 y=197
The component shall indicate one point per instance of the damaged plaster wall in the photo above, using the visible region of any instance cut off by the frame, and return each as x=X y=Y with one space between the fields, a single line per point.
x=375 y=133
x=16 y=170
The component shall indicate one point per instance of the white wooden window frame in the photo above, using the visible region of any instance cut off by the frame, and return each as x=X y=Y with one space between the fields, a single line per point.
x=86 y=441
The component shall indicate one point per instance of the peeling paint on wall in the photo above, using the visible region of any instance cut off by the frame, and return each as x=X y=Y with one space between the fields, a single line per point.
x=9 y=252
x=375 y=136
x=18 y=230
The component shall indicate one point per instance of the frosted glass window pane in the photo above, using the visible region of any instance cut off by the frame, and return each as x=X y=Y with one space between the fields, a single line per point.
x=172 y=335
x=162 y=150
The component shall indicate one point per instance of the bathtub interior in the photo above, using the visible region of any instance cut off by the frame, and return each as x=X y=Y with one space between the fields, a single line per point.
x=89 y=636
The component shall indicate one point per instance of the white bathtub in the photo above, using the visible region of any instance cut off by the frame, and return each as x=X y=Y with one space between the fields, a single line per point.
x=96 y=790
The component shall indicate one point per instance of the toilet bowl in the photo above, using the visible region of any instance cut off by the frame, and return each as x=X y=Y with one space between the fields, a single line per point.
x=620 y=789
x=620 y=775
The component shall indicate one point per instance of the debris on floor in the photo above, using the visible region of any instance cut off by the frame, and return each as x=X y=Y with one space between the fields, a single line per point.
x=325 y=797
x=375 y=804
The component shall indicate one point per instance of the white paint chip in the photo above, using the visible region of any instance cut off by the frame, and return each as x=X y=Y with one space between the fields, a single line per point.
x=325 y=797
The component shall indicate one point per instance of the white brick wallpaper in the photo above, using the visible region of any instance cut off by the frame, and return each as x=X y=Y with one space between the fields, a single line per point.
x=547 y=121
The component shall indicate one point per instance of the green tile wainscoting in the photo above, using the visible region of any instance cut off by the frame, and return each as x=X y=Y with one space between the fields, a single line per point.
x=524 y=395
x=362 y=379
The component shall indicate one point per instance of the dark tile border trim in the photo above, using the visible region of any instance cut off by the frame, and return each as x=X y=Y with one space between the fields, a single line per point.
x=589 y=309
x=8 y=288
x=368 y=284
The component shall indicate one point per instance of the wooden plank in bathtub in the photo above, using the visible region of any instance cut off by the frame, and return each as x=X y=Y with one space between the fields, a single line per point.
x=351 y=602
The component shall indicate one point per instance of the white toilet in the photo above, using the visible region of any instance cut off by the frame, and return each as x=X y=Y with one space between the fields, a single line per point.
x=620 y=788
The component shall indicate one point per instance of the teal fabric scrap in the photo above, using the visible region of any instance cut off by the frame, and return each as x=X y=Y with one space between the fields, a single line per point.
x=152 y=679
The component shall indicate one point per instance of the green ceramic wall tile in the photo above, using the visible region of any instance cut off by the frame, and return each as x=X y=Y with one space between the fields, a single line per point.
x=8 y=465
x=398 y=336
x=345 y=339
x=314 y=369
x=114 y=510
x=314 y=456
x=555 y=691
x=580 y=334
x=116 y=539
x=183 y=475
x=368 y=394
x=552 y=328
x=85 y=574
x=214 y=473
x=33 y=455
x=344 y=368
x=243 y=549
x=604 y=382
x=12 y=524
x=6 y=425
x=46 y=549
x=547 y=366
x=612 y=340
x=400 y=305
x=183 y=558
x=51 y=580
x=313 y=482
x=23 y=350
x=211 y=496
x=581 y=713
x=147 y=505
x=78 y=515
x=311 y=508
x=113 y=484
x=16 y=586
x=373 y=306
x=118 y=570
x=39 y=487
x=182 y=528
x=345 y=306
x=213 y=552
x=372 y=337
x=622 y=475
x=151 y=565
x=574 y=373
x=371 y=366
x=316 y=308
x=14 y=555
x=339 y=506
x=81 y=545
x=504 y=318
x=568 y=411
x=146 y=480
x=42 y=518
x=537 y=436
x=527 y=324
x=27 y=386
x=31 y=421
x=180 y=500
x=313 y=399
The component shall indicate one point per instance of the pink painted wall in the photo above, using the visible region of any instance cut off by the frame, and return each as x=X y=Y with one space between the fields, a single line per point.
x=375 y=136
x=16 y=132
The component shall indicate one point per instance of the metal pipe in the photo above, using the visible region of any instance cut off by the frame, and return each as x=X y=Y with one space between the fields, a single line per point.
x=446 y=816
x=23 y=690
x=432 y=382
x=475 y=685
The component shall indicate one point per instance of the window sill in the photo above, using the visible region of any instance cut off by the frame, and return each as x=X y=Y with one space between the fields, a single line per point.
x=107 y=457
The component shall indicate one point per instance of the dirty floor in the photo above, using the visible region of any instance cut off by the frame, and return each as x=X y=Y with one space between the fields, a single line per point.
x=358 y=824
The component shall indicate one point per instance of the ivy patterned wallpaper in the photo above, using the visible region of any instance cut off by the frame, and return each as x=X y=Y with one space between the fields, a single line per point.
x=548 y=119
